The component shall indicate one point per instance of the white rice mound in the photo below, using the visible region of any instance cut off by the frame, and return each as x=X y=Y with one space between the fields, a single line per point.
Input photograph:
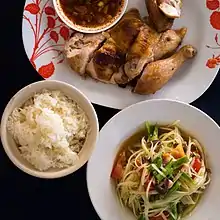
x=50 y=129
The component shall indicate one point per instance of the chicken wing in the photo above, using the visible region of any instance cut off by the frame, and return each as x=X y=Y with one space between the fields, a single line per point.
x=168 y=43
x=158 y=73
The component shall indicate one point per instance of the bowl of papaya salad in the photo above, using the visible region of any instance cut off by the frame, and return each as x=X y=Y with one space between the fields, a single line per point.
x=161 y=172
x=156 y=160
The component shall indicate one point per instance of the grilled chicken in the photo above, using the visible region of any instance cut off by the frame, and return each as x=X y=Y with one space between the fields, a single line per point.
x=106 y=61
x=168 y=43
x=158 y=73
x=80 y=48
x=141 y=51
x=127 y=29
x=157 y=17
x=150 y=46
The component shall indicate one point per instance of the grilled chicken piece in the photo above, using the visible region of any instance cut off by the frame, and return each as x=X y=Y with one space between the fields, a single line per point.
x=150 y=46
x=91 y=71
x=168 y=43
x=141 y=51
x=120 y=77
x=157 y=17
x=158 y=73
x=106 y=62
x=127 y=29
x=79 y=49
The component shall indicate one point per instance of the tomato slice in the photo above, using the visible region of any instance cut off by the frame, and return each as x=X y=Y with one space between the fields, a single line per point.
x=117 y=171
x=197 y=164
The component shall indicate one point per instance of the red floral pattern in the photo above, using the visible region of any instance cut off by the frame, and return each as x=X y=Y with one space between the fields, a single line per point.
x=46 y=40
x=214 y=6
x=47 y=70
x=33 y=8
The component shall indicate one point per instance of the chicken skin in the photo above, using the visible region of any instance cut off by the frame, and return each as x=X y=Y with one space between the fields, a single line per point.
x=158 y=73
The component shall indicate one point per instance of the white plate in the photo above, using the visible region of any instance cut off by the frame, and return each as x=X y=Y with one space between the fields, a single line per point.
x=44 y=35
x=123 y=125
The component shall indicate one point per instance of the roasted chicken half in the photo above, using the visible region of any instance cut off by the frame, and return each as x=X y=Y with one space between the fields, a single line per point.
x=150 y=46
x=158 y=73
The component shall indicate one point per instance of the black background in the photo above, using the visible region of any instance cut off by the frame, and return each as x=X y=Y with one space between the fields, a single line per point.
x=26 y=197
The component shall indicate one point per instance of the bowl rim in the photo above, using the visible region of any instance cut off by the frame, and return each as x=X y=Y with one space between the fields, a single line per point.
x=94 y=203
x=88 y=30
x=41 y=174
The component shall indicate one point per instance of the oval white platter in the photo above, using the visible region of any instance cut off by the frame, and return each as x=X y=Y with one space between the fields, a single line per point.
x=44 y=36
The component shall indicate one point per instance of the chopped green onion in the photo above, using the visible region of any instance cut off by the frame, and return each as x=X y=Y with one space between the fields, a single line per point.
x=167 y=171
x=178 y=163
x=154 y=167
x=158 y=161
x=155 y=134
x=174 y=188
x=152 y=132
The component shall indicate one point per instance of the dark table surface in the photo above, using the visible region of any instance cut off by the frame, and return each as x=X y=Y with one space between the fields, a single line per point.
x=26 y=197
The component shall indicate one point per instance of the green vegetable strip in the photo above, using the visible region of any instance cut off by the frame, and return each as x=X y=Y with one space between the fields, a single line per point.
x=178 y=163
x=174 y=188
x=190 y=208
x=158 y=161
x=187 y=180
x=154 y=167
x=141 y=217
x=168 y=170
x=173 y=212
x=155 y=134
x=152 y=132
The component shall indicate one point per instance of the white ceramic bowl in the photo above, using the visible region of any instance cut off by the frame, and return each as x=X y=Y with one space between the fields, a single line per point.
x=23 y=95
x=80 y=28
x=124 y=124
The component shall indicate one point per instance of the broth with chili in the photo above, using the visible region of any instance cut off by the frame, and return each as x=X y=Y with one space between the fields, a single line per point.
x=91 y=12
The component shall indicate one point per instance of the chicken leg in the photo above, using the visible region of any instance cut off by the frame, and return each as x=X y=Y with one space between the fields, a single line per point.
x=158 y=73
x=150 y=46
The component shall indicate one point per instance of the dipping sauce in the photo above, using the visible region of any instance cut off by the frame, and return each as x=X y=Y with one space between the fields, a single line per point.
x=91 y=13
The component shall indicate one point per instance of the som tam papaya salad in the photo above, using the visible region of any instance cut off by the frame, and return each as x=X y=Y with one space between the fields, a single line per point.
x=160 y=173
